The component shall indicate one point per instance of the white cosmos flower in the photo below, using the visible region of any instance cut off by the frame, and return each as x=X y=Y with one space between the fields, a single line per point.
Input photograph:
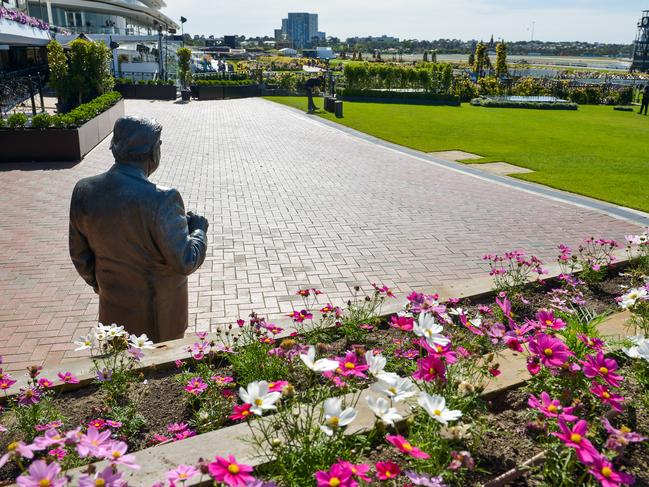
x=257 y=395
x=435 y=406
x=84 y=343
x=334 y=415
x=396 y=388
x=629 y=299
x=141 y=341
x=320 y=365
x=382 y=410
x=456 y=311
x=640 y=349
x=101 y=332
x=376 y=364
x=427 y=327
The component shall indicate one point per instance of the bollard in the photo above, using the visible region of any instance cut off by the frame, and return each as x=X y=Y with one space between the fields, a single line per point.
x=338 y=108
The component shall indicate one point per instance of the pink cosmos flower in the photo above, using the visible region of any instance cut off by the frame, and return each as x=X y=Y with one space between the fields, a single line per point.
x=337 y=475
x=300 y=316
x=547 y=320
x=68 y=378
x=222 y=380
x=136 y=353
x=591 y=342
x=404 y=446
x=429 y=369
x=602 y=469
x=48 y=426
x=359 y=471
x=496 y=332
x=115 y=453
x=551 y=408
x=113 y=424
x=15 y=449
x=575 y=437
x=107 y=478
x=6 y=382
x=29 y=396
x=241 y=412
x=277 y=386
x=201 y=335
x=182 y=473
x=99 y=423
x=404 y=323
x=228 y=471
x=177 y=427
x=351 y=365
x=618 y=439
x=196 y=386
x=445 y=352
x=551 y=351
x=461 y=459
x=58 y=454
x=610 y=398
x=41 y=474
x=600 y=366
x=387 y=470
x=45 y=383
x=94 y=443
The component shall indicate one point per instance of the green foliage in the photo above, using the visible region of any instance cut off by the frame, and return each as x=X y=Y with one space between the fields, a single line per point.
x=465 y=88
x=489 y=85
x=85 y=112
x=2 y=122
x=252 y=362
x=41 y=121
x=536 y=105
x=530 y=87
x=17 y=120
x=430 y=77
x=184 y=69
x=406 y=95
x=82 y=74
x=501 y=60
x=224 y=82
x=481 y=61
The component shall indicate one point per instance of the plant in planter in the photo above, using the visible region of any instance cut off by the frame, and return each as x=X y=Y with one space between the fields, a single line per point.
x=17 y=120
x=185 y=72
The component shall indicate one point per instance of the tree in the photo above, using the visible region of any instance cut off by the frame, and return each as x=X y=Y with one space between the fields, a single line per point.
x=425 y=56
x=501 y=60
x=184 y=69
x=433 y=56
x=481 y=60
x=471 y=60
x=58 y=63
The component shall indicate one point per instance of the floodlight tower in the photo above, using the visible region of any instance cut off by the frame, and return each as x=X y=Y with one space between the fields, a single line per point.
x=641 y=46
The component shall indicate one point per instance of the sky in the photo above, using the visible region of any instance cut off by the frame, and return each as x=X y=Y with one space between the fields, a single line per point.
x=553 y=20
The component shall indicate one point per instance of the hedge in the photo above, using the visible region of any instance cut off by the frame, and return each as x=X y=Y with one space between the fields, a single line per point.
x=409 y=95
x=433 y=77
x=536 y=105
x=150 y=82
x=217 y=82
x=72 y=119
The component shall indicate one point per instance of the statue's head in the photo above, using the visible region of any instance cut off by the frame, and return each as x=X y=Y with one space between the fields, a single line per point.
x=136 y=141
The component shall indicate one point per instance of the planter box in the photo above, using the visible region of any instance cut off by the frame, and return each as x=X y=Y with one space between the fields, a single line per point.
x=226 y=92
x=147 y=92
x=58 y=145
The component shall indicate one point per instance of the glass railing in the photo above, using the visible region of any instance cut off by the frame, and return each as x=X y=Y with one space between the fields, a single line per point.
x=129 y=31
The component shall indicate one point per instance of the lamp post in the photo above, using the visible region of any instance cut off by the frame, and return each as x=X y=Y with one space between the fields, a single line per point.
x=182 y=28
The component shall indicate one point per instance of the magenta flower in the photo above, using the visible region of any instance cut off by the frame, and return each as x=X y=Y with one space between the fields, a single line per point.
x=45 y=383
x=228 y=471
x=575 y=437
x=337 y=475
x=610 y=398
x=41 y=474
x=94 y=443
x=300 y=316
x=241 y=412
x=68 y=378
x=461 y=459
x=182 y=473
x=590 y=342
x=547 y=320
x=551 y=351
x=107 y=478
x=600 y=366
x=359 y=471
x=429 y=369
x=618 y=439
x=351 y=365
x=196 y=386
x=98 y=423
x=404 y=323
x=277 y=386
x=602 y=469
x=551 y=408
x=387 y=470
x=6 y=381
x=445 y=352
x=404 y=446
x=29 y=396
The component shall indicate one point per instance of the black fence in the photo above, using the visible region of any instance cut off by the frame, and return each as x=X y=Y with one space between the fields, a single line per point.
x=24 y=86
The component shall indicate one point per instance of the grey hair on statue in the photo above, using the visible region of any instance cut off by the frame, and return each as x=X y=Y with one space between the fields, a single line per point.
x=134 y=139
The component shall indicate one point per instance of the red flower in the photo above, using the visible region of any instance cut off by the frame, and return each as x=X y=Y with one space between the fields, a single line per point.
x=241 y=412
x=387 y=470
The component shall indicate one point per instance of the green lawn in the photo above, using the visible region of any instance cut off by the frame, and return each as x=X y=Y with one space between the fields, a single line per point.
x=594 y=151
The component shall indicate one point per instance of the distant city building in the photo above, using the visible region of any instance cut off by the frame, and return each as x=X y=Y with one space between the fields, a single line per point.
x=300 y=29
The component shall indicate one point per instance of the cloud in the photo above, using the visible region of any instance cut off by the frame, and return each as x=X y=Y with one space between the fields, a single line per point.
x=587 y=20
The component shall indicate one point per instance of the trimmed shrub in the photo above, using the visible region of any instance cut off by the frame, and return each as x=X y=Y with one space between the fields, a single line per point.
x=223 y=82
x=404 y=95
x=41 y=121
x=536 y=105
x=17 y=120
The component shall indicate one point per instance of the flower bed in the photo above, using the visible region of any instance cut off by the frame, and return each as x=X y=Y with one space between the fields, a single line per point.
x=64 y=137
x=350 y=396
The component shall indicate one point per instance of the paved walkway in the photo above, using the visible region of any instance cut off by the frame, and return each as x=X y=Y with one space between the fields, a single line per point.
x=292 y=202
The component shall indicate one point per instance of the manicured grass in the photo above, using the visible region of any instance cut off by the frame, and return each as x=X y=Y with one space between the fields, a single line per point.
x=594 y=151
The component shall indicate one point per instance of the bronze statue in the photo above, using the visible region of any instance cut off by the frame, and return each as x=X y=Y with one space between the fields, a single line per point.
x=131 y=239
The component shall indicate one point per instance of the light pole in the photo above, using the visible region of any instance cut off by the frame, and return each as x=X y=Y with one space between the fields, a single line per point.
x=182 y=28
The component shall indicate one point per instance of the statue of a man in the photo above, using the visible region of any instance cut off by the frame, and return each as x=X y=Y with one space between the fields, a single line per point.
x=131 y=239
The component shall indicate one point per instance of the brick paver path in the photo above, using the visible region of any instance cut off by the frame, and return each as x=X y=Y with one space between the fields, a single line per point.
x=291 y=202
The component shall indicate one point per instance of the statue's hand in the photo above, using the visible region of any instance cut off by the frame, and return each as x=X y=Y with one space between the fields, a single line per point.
x=196 y=222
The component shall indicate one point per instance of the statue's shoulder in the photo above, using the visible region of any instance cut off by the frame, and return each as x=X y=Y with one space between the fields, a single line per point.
x=167 y=194
x=88 y=183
